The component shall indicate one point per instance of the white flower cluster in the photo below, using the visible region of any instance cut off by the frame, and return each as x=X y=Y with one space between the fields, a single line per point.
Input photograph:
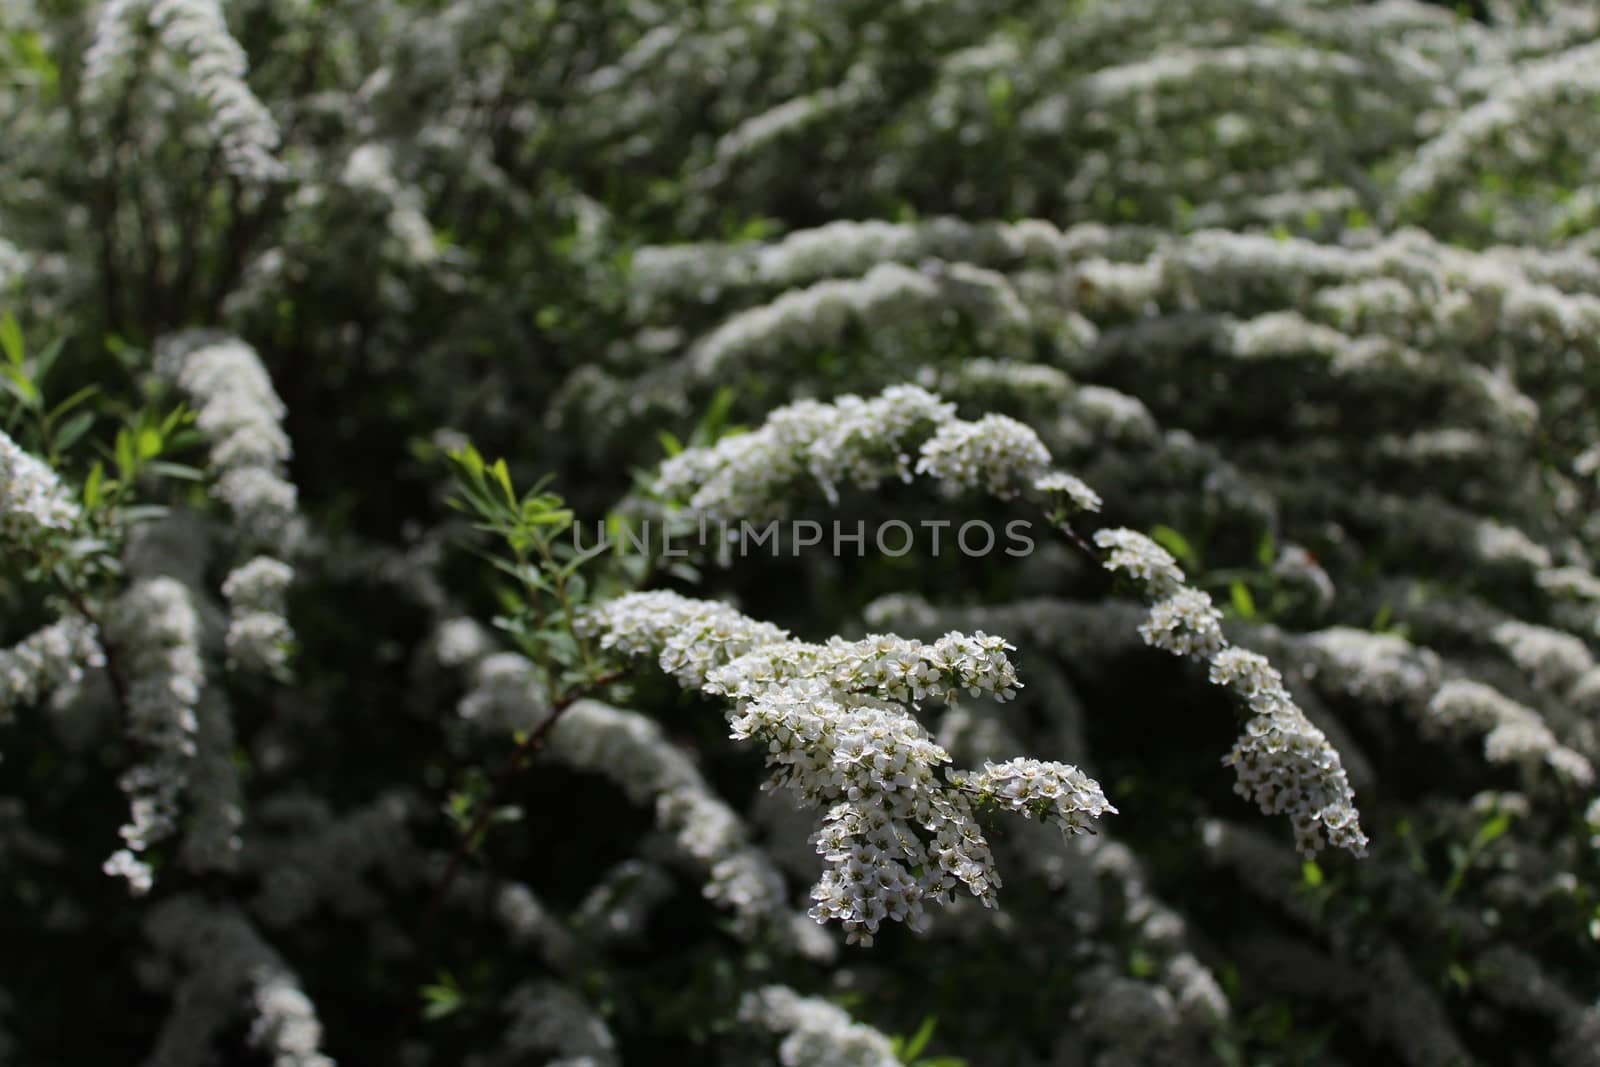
x=848 y=247
x=631 y=750
x=996 y=454
x=1512 y=733
x=752 y=475
x=1283 y=762
x=116 y=39
x=259 y=637
x=1509 y=124
x=156 y=632
x=1131 y=553
x=1058 y=794
x=241 y=415
x=836 y=731
x=196 y=31
x=863 y=443
x=815 y=1032
x=219 y=969
x=1185 y=624
x=1078 y=494
x=45 y=660
x=505 y=694
x=370 y=172
x=33 y=503
x=1552 y=659
x=285 y=1024
x=1383 y=668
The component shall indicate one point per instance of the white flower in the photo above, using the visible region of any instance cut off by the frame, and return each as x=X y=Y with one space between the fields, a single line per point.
x=815 y=1032
x=33 y=502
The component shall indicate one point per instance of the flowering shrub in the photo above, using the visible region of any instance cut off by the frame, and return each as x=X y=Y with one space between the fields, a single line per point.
x=719 y=721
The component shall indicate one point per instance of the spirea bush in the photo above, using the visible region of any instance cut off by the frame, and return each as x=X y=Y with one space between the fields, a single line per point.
x=801 y=532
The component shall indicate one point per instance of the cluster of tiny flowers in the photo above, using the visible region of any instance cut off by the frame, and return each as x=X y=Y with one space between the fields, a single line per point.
x=259 y=637
x=219 y=968
x=996 y=454
x=1512 y=733
x=1071 y=486
x=1137 y=556
x=1382 y=668
x=1550 y=658
x=505 y=694
x=856 y=441
x=863 y=442
x=45 y=660
x=815 y=1031
x=836 y=732
x=156 y=631
x=33 y=503
x=241 y=415
x=690 y=637
x=1283 y=762
x=1185 y=624
x=1056 y=792
x=216 y=67
x=370 y=171
x=286 y=1025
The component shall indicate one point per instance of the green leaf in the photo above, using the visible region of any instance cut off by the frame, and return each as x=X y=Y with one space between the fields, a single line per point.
x=127 y=461
x=1177 y=544
x=1266 y=549
x=669 y=443
x=91 y=485
x=503 y=475
x=180 y=471
x=73 y=401
x=1492 y=830
x=11 y=340
x=1311 y=873
x=149 y=442
x=1243 y=602
x=47 y=359
x=21 y=386
x=442 y=1001
x=71 y=431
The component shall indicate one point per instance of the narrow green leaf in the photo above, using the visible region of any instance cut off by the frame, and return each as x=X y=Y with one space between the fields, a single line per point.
x=920 y=1039
x=1266 y=549
x=47 y=359
x=73 y=401
x=71 y=431
x=127 y=462
x=11 y=340
x=91 y=485
x=1243 y=602
x=503 y=475
x=180 y=471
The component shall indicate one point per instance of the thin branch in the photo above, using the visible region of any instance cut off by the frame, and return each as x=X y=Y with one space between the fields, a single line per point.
x=522 y=757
